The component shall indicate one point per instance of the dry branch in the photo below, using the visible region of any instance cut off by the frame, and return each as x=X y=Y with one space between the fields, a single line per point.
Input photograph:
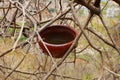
x=94 y=8
x=117 y=1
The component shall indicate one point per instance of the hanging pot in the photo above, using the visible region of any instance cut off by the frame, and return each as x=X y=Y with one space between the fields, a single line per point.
x=57 y=38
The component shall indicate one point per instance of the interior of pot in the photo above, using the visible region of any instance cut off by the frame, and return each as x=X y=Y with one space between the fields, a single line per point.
x=58 y=34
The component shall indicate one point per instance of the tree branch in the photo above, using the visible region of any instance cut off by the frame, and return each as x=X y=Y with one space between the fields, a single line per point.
x=117 y=1
x=92 y=7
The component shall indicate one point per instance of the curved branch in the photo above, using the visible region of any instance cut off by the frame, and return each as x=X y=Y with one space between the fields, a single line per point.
x=117 y=1
x=92 y=7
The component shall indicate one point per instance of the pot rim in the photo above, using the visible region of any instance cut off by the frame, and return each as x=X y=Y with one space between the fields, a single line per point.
x=70 y=42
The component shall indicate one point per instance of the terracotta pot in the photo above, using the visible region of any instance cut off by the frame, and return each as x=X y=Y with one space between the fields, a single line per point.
x=58 y=39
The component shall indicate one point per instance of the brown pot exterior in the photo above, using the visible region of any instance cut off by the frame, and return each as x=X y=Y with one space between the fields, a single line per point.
x=56 y=51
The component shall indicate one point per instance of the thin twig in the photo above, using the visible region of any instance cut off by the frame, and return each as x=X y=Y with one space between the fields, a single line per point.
x=87 y=38
x=18 y=46
x=112 y=72
x=83 y=49
x=118 y=50
x=6 y=13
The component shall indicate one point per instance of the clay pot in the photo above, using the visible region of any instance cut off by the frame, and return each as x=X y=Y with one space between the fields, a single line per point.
x=58 y=39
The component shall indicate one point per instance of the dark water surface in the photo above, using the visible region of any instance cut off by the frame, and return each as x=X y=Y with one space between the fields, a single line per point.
x=58 y=37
